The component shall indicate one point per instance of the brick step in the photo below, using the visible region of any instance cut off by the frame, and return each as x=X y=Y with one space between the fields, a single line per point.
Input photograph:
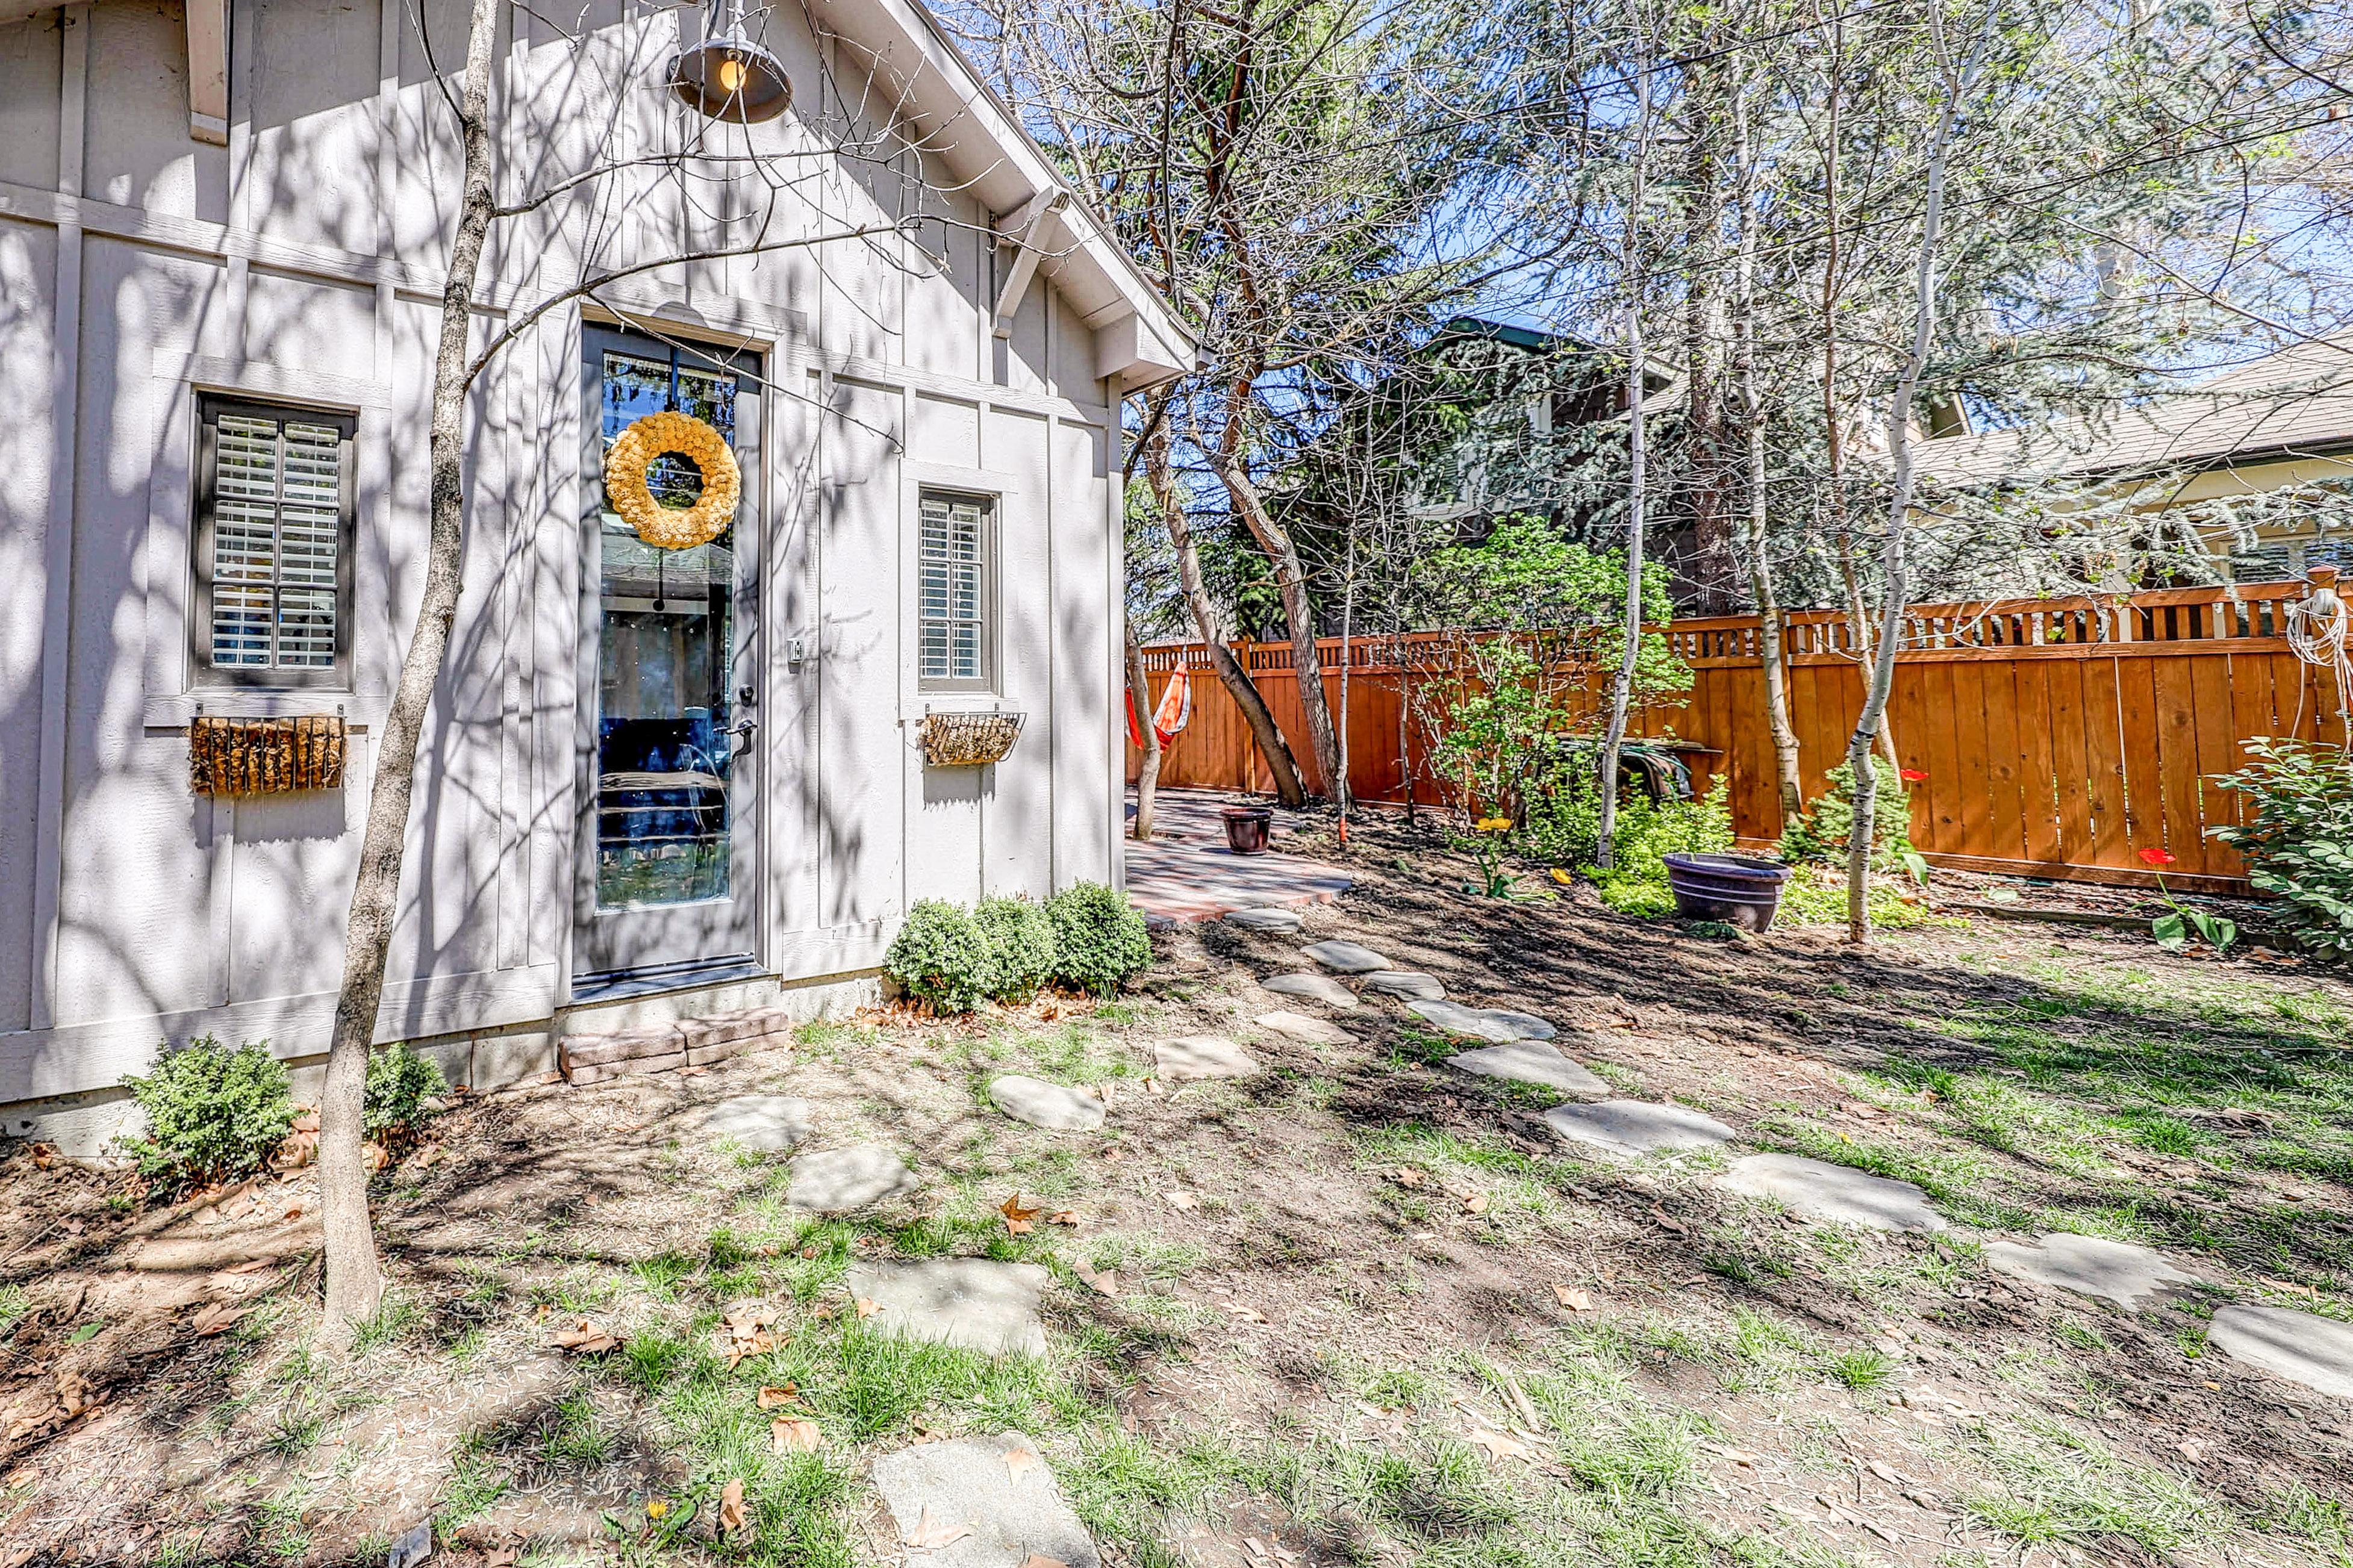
x=662 y=1048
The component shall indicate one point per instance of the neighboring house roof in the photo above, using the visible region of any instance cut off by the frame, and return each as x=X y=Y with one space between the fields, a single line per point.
x=2292 y=405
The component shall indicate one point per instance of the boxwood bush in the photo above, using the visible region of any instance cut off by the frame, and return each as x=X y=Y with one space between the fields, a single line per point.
x=399 y=1082
x=212 y=1113
x=941 y=956
x=1099 y=938
x=1021 y=947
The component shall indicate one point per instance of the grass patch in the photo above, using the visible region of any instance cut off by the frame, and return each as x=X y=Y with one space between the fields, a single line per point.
x=2057 y=1487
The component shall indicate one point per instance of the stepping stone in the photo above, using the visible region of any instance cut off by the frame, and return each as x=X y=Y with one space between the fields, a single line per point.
x=1055 y=1107
x=1496 y=1023
x=975 y=1302
x=1411 y=984
x=1015 y=1517
x=1839 y=1193
x=1630 y=1127
x=2114 y=1271
x=840 y=1180
x=1204 y=1056
x=1313 y=1031
x=1264 y=920
x=1532 y=1061
x=1314 y=987
x=2298 y=1346
x=771 y=1123
x=1346 y=957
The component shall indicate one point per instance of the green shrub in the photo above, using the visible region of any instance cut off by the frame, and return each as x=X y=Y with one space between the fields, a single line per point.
x=1565 y=827
x=2298 y=835
x=1099 y=938
x=941 y=956
x=1822 y=829
x=1021 y=947
x=399 y=1082
x=212 y=1113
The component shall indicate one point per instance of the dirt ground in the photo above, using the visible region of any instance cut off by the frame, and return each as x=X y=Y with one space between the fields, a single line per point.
x=1360 y=1309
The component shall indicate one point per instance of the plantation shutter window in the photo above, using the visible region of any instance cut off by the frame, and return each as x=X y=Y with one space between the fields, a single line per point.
x=952 y=591
x=273 y=544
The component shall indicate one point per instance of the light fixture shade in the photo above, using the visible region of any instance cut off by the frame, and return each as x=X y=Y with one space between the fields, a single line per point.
x=731 y=78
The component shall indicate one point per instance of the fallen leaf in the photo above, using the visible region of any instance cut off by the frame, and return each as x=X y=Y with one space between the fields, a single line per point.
x=251 y=1266
x=1668 y=1222
x=1247 y=1314
x=1406 y=1176
x=1019 y=1462
x=295 y=1213
x=868 y=1306
x=1103 y=1282
x=1183 y=1200
x=730 y=1508
x=1063 y=1216
x=773 y=1398
x=1575 y=1301
x=585 y=1339
x=1475 y=1203
x=1857 y=1108
x=929 y=1535
x=375 y=1157
x=1018 y=1219
x=1500 y=1446
x=793 y=1434
x=2191 y=1449
x=216 y=1318
x=503 y=1557
x=1885 y=1472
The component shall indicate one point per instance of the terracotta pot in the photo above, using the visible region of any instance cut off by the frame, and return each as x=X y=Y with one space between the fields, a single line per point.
x=1246 y=829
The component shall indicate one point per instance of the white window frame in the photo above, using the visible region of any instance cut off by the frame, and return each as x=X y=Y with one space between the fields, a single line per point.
x=205 y=670
x=992 y=504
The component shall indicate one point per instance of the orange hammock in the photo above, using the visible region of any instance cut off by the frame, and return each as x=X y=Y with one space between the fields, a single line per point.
x=1175 y=710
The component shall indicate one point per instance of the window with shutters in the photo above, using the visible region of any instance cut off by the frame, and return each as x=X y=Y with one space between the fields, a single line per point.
x=273 y=545
x=953 y=590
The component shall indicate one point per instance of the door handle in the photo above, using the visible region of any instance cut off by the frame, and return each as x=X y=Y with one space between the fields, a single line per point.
x=744 y=728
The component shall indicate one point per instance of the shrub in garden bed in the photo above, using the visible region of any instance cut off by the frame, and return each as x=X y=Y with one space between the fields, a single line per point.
x=1099 y=938
x=940 y=957
x=399 y=1083
x=2298 y=835
x=212 y=1113
x=1021 y=947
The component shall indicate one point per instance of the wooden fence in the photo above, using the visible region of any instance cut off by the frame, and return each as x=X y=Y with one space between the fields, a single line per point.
x=2058 y=737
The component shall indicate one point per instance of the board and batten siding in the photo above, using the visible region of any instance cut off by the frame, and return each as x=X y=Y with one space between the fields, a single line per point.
x=139 y=267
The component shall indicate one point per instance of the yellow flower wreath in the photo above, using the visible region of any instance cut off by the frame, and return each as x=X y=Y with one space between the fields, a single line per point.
x=669 y=528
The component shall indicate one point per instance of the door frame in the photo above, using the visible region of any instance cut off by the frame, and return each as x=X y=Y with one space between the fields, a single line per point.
x=745 y=930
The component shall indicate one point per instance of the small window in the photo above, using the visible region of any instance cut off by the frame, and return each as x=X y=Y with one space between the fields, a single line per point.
x=273 y=546
x=953 y=590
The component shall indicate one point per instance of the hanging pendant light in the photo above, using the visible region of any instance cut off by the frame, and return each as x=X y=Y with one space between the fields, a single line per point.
x=728 y=76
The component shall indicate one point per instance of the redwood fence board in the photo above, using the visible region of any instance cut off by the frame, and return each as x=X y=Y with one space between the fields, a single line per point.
x=2059 y=736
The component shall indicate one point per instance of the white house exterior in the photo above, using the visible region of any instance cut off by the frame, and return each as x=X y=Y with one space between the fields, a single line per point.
x=221 y=234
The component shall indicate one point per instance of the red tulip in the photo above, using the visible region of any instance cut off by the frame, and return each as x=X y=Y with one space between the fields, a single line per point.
x=1912 y=775
x=2153 y=855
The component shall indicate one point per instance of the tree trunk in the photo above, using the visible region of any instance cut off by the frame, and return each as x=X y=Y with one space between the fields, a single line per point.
x=1893 y=591
x=1776 y=681
x=354 y=1281
x=1622 y=684
x=1147 y=777
x=1230 y=673
x=1711 y=572
x=1299 y=614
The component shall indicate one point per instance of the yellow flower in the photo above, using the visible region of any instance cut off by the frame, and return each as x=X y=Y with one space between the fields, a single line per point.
x=1495 y=825
x=1563 y=878
x=656 y=1508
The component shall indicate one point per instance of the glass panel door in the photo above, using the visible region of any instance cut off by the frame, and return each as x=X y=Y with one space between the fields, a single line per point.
x=668 y=826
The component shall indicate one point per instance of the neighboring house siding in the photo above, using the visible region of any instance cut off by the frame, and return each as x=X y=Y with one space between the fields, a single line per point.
x=132 y=910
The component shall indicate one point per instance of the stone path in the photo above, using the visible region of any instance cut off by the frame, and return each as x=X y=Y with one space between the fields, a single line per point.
x=2301 y=1347
x=1626 y=1128
x=1347 y=957
x=999 y=1488
x=1497 y=1023
x=839 y=1181
x=1411 y=984
x=1839 y=1193
x=1314 y=987
x=771 y=1123
x=1056 y=1108
x=1299 y=1026
x=975 y=1302
x=1532 y=1061
x=1203 y=1056
x=1264 y=918
x=2114 y=1271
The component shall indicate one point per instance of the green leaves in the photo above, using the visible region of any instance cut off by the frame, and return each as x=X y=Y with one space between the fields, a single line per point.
x=2297 y=838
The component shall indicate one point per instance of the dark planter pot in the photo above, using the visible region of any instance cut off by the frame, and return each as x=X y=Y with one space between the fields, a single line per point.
x=1738 y=889
x=1246 y=829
